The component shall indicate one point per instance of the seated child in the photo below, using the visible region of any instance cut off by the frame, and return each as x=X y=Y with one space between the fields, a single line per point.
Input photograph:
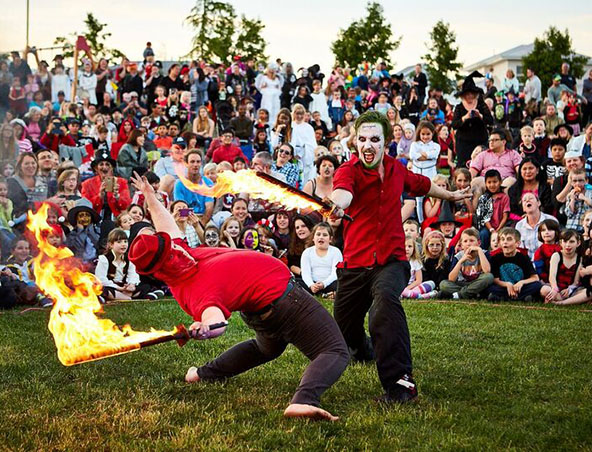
x=416 y=287
x=124 y=221
x=565 y=266
x=446 y=223
x=514 y=275
x=436 y=265
x=319 y=262
x=432 y=206
x=463 y=210
x=118 y=275
x=6 y=234
x=548 y=234
x=493 y=207
x=578 y=201
x=555 y=166
x=471 y=272
x=162 y=196
x=83 y=240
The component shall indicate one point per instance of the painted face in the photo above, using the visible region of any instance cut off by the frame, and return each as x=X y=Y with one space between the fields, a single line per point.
x=327 y=169
x=434 y=247
x=508 y=243
x=251 y=239
x=370 y=144
x=447 y=228
x=408 y=134
x=212 y=237
x=104 y=169
x=233 y=229
x=119 y=246
x=336 y=149
x=83 y=218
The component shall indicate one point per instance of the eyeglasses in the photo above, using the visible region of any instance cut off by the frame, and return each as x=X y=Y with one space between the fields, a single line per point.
x=285 y=151
x=494 y=139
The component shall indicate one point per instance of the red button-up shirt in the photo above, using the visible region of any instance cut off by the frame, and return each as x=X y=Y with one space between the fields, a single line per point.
x=376 y=234
x=91 y=190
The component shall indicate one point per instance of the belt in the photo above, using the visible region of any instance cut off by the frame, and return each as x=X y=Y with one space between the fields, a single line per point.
x=289 y=288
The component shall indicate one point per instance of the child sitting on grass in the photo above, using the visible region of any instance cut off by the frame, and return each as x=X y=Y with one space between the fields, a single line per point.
x=584 y=293
x=548 y=234
x=118 y=275
x=319 y=262
x=565 y=266
x=436 y=265
x=416 y=287
x=514 y=275
x=493 y=207
x=578 y=201
x=470 y=275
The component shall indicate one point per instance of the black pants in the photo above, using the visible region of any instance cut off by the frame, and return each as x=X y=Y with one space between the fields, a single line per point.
x=377 y=290
x=296 y=319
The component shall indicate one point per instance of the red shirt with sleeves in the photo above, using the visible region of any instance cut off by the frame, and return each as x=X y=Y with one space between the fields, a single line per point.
x=376 y=234
x=227 y=153
x=91 y=191
x=229 y=279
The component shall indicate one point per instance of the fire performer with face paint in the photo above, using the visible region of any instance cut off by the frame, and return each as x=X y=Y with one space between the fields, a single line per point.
x=280 y=311
x=375 y=271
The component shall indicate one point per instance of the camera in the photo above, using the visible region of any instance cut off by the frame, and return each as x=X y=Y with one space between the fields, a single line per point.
x=185 y=212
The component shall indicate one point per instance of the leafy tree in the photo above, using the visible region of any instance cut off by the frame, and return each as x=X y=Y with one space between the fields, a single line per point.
x=441 y=57
x=95 y=36
x=219 y=35
x=249 y=43
x=549 y=52
x=368 y=39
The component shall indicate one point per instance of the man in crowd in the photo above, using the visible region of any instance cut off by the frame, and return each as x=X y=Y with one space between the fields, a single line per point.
x=203 y=206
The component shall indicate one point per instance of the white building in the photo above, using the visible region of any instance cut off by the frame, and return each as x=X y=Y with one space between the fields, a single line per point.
x=498 y=64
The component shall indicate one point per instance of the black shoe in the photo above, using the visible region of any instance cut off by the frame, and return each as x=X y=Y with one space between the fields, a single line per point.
x=529 y=299
x=159 y=293
x=403 y=391
x=151 y=296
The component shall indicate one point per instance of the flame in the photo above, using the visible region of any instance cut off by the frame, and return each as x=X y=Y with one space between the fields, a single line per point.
x=78 y=333
x=247 y=181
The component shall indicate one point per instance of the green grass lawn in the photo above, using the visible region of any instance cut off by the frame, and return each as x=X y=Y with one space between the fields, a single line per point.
x=489 y=378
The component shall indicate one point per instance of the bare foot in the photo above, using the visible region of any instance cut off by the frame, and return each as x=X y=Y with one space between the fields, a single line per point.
x=312 y=412
x=191 y=376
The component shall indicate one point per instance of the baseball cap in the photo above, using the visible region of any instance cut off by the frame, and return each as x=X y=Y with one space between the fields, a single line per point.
x=180 y=142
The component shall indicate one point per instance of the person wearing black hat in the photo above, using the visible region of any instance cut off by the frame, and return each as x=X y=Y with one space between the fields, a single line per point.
x=446 y=222
x=85 y=231
x=104 y=189
x=471 y=119
x=563 y=131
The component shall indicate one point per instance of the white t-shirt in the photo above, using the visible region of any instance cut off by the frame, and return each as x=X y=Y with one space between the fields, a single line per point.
x=320 y=269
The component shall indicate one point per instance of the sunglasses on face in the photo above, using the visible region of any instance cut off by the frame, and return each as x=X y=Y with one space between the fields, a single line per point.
x=285 y=151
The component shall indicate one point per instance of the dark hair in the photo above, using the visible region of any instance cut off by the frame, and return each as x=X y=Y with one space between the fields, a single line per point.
x=174 y=203
x=133 y=137
x=378 y=118
x=192 y=152
x=328 y=158
x=297 y=246
x=568 y=234
x=151 y=177
x=489 y=174
x=229 y=130
x=551 y=225
x=131 y=206
x=277 y=149
x=558 y=142
x=115 y=235
x=237 y=200
x=502 y=133
x=238 y=158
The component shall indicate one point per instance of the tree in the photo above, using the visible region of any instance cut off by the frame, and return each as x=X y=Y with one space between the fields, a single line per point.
x=249 y=43
x=217 y=28
x=549 y=52
x=95 y=36
x=368 y=39
x=441 y=57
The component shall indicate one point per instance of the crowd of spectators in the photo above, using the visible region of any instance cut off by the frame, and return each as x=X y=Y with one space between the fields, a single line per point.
x=524 y=151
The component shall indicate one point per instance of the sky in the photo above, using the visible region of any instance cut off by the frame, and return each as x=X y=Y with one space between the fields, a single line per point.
x=303 y=34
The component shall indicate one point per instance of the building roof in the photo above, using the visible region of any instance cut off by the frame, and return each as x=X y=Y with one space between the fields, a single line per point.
x=513 y=54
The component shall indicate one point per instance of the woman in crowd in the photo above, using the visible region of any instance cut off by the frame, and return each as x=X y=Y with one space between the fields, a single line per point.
x=132 y=156
x=269 y=85
x=186 y=221
x=322 y=185
x=298 y=243
x=21 y=135
x=529 y=179
x=203 y=127
x=239 y=210
x=471 y=119
x=282 y=164
x=282 y=130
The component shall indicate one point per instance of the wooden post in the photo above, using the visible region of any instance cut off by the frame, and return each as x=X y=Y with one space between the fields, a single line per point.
x=75 y=81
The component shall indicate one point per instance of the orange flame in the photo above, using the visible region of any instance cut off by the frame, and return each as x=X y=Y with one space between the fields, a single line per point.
x=78 y=333
x=247 y=181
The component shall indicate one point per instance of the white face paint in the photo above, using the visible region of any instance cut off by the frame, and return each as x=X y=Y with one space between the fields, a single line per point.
x=370 y=144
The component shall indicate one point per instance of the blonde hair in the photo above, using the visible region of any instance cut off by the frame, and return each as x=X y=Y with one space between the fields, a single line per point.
x=424 y=246
x=224 y=227
x=440 y=177
x=415 y=255
x=527 y=129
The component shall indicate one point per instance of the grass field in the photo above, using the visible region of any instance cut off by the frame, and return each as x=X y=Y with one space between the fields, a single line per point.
x=489 y=377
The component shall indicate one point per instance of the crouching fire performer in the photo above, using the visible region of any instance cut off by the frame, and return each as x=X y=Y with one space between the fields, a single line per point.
x=279 y=311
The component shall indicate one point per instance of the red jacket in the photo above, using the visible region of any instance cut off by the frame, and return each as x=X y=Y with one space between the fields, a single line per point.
x=227 y=154
x=90 y=190
x=53 y=141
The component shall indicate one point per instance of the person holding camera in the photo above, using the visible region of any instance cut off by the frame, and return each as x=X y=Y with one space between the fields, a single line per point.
x=55 y=135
